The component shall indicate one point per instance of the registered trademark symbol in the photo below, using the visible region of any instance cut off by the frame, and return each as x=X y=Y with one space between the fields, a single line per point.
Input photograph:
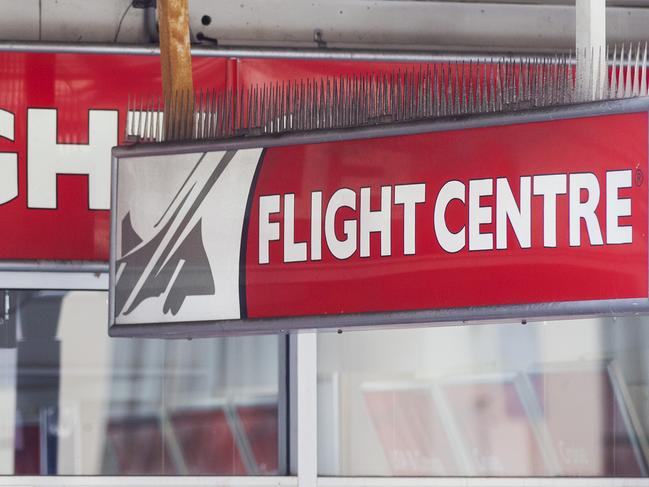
x=639 y=177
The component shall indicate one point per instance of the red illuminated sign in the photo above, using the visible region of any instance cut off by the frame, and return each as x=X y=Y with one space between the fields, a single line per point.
x=524 y=213
x=60 y=115
x=526 y=218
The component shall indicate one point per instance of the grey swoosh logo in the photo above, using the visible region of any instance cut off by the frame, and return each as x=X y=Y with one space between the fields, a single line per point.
x=174 y=259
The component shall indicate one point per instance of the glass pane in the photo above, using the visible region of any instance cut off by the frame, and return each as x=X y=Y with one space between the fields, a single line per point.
x=76 y=402
x=562 y=398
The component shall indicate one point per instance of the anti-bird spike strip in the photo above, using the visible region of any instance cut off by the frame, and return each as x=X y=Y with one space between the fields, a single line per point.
x=427 y=91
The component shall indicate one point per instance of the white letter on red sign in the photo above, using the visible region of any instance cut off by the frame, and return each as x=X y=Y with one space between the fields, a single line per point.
x=549 y=186
x=479 y=215
x=617 y=207
x=293 y=251
x=409 y=195
x=341 y=249
x=268 y=231
x=8 y=161
x=585 y=210
x=376 y=221
x=47 y=159
x=316 y=225
x=520 y=216
x=449 y=241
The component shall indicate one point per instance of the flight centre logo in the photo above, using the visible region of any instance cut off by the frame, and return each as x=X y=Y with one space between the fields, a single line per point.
x=477 y=225
x=189 y=228
x=179 y=225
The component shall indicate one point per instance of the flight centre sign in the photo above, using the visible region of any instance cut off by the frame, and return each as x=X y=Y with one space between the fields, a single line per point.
x=540 y=218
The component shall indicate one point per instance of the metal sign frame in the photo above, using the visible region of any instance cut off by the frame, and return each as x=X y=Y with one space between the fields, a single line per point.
x=429 y=317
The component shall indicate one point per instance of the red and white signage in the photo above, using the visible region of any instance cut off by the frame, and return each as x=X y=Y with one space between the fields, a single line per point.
x=60 y=114
x=521 y=214
x=526 y=213
x=518 y=214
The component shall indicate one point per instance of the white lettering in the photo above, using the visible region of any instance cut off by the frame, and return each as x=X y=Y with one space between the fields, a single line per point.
x=449 y=241
x=293 y=251
x=268 y=231
x=409 y=195
x=617 y=207
x=8 y=160
x=549 y=186
x=341 y=249
x=479 y=215
x=376 y=221
x=584 y=211
x=47 y=158
x=316 y=225
x=520 y=217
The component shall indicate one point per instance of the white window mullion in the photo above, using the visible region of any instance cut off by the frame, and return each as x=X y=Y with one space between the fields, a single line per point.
x=306 y=403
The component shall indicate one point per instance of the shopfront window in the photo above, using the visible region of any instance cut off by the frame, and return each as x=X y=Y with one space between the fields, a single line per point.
x=76 y=402
x=561 y=398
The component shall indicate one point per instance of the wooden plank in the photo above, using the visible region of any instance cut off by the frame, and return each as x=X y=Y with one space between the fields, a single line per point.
x=175 y=61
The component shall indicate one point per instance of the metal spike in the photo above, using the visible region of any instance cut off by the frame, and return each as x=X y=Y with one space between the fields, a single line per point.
x=213 y=115
x=178 y=111
x=436 y=99
x=590 y=61
x=499 y=87
x=492 y=87
x=140 y=119
x=240 y=112
x=613 y=81
x=175 y=110
x=643 y=73
x=454 y=94
x=518 y=77
x=450 y=89
x=471 y=106
x=556 y=79
x=185 y=119
x=478 y=87
x=464 y=89
x=150 y=135
x=192 y=106
x=528 y=81
x=438 y=90
x=158 y=120
x=484 y=95
x=203 y=114
x=627 y=75
x=509 y=94
x=144 y=116
x=272 y=97
x=635 y=90
x=621 y=74
x=598 y=85
x=566 y=73
x=128 y=129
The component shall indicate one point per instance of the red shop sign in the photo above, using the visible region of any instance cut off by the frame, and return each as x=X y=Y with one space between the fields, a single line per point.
x=61 y=113
x=518 y=217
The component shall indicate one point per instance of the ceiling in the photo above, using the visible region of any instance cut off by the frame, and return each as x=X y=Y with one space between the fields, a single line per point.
x=497 y=25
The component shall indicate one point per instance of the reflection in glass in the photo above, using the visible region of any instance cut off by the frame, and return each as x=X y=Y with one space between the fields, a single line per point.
x=76 y=402
x=565 y=398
